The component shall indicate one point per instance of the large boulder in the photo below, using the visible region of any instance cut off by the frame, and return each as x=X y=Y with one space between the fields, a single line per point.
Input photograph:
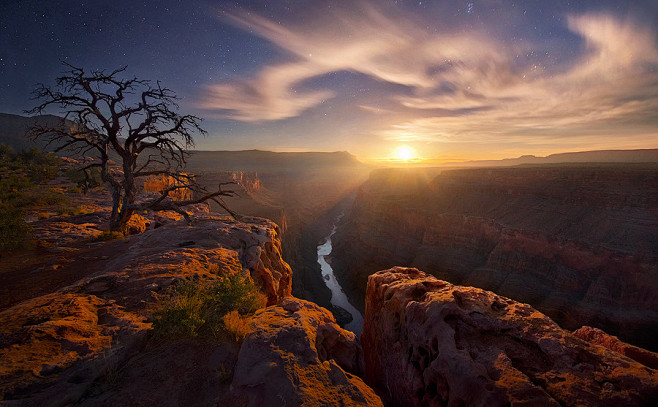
x=428 y=342
x=298 y=355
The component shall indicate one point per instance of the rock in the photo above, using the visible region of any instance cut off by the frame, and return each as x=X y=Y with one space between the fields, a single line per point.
x=577 y=242
x=138 y=224
x=218 y=242
x=61 y=232
x=54 y=347
x=428 y=342
x=598 y=337
x=298 y=355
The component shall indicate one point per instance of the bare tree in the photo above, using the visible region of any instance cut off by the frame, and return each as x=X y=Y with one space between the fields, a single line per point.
x=135 y=120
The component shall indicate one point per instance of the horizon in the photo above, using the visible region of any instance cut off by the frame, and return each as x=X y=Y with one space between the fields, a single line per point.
x=398 y=82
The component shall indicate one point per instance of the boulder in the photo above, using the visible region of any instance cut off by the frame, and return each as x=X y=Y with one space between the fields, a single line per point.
x=428 y=342
x=298 y=355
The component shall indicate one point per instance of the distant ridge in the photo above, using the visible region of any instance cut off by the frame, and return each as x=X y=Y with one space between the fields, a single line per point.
x=257 y=160
x=13 y=129
x=601 y=156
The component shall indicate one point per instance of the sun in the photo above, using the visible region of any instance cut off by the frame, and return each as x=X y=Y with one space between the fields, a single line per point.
x=404 y=153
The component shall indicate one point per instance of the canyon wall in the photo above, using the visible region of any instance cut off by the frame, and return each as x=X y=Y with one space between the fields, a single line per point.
x=429 y=343
x=577 y=242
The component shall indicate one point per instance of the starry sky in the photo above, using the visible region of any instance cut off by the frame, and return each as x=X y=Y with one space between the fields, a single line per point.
x=447 y=80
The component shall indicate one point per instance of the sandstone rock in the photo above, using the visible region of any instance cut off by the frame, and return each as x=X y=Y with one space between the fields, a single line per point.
x=598 y=337
x=138 y=224
x=62 y=231
x=54 y=347
x=298 y=355
x=251 y=244
x=428 y=342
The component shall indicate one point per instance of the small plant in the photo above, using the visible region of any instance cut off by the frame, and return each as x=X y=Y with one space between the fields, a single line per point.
x=192 y=308
x=236 y=325
x=109 y=235
x=85 y=181
x=73 y=210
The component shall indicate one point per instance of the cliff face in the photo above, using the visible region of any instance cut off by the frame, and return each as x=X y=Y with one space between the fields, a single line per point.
x=298 y=355
x=579 y=243
x=54 y=347
x=428 y=342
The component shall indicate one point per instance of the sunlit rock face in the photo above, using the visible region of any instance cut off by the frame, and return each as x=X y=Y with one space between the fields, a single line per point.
x=160 y=183
x=599 y=337
x=427 y=342
x=53 y=347
x=297 y=355
x=579 y=243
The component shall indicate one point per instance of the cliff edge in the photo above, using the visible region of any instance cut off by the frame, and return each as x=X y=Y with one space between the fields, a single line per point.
x=428 y=342
x=54 y=347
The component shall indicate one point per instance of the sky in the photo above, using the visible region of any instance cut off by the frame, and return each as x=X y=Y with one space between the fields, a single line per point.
x=438 y=81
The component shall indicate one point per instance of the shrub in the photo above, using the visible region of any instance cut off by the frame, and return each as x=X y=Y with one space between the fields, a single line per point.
x=19 y=175
x=40 y=166
x=236 y=325
x=93 y=178
x=109 y=235
x=14 y=230
x=73 y=210
x=192 y=308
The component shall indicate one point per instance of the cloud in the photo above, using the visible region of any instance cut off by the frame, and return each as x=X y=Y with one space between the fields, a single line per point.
x=610 y=87
x=270 y=96
x=362 y=40
x=464 y=86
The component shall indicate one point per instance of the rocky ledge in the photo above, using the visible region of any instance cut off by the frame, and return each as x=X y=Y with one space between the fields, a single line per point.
x=428 y=342
x=297 y=355
x=54 y=347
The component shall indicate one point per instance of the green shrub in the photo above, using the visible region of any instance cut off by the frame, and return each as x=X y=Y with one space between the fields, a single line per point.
x=14 y=230
x=77 y=175
x=40 y=166
x=192 y=308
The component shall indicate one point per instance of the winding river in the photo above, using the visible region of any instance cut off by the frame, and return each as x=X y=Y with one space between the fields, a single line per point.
x=338 y=297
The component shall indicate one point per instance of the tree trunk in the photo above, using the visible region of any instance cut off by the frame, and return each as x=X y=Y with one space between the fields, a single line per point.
x=130 y=193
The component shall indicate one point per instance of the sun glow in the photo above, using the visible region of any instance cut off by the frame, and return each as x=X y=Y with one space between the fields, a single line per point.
x=404 y=153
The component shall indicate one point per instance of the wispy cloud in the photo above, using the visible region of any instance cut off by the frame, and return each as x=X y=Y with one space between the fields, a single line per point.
x=612 y=85
x=462 y=86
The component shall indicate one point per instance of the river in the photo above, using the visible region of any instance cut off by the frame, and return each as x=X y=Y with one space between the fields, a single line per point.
x=338 y=297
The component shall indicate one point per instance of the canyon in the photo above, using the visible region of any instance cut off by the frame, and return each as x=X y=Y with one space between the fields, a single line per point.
x=579 y=242
x=76 y=324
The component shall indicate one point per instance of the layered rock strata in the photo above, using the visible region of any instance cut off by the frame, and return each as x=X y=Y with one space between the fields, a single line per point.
x=297 y=355
x=577 y=242
x=428 y=342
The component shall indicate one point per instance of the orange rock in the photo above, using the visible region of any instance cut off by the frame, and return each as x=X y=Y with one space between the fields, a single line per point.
x=298 y=355
x=428 y=342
